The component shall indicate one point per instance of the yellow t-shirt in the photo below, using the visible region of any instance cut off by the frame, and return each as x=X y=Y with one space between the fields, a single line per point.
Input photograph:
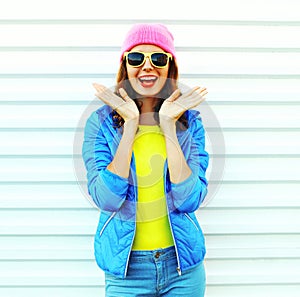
x=152 y=226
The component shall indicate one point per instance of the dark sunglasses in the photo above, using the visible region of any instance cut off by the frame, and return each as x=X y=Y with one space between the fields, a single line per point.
x=157 y=59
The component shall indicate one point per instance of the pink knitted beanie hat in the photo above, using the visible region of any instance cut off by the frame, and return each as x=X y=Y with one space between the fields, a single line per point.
x=143 y=33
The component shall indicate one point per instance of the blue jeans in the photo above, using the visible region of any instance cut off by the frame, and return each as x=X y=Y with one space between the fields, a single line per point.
x=153 y=274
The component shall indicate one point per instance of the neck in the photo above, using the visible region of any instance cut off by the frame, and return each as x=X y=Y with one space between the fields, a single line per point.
x=147 y=114
x=147 y=118
x=147 y=104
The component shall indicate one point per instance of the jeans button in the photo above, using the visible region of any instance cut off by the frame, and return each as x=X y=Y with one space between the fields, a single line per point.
x=157 y=255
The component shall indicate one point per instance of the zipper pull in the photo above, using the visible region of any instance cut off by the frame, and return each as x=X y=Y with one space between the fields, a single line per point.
x=179 y=271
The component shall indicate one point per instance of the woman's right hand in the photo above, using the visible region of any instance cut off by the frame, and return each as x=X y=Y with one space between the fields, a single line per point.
x=124 y=106
x=128 y=110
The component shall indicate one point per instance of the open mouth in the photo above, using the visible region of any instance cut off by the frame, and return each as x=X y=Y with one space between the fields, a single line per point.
x=147 y=81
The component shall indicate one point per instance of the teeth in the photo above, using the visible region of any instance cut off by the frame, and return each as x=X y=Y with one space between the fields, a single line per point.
x=147 y=78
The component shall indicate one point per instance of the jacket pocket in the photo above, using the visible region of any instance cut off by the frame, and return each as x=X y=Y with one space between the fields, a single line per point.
x=106 y=223
x=191 y=220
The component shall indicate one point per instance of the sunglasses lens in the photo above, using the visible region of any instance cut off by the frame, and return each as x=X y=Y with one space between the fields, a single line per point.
x=135 y=59
x=159 y=59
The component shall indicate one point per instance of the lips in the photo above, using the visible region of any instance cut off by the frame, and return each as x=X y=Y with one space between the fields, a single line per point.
x=147 y=81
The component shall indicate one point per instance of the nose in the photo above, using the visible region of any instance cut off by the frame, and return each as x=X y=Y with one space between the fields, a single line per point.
x=147 y=65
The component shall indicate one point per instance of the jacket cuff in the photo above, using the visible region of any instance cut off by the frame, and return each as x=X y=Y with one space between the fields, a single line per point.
x=115 y=189
x=187 y=194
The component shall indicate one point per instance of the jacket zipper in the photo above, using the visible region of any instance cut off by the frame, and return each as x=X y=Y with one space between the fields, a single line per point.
x=106 y=223
x=136 y=194
x=175 y=245
x=191 y=220
x=171 y=227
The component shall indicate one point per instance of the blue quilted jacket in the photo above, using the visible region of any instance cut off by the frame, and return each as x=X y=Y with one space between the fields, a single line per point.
x=116 y=196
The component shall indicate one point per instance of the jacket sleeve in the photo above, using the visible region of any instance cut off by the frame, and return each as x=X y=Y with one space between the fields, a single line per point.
x=107 y=189
x=190 y=193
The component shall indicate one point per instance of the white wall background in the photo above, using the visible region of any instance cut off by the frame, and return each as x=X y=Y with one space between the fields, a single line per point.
x=247 y=53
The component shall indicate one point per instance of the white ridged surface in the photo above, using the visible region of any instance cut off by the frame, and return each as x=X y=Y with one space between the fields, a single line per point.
x=247 y=55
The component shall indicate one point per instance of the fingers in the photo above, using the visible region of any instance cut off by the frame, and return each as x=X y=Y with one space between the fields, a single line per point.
x=105 y=91
x=124 y=95
x=195 y=92
x=200 y=96
x=200 y=90
x=101 y=91
x=99 y=88
x=193 y=97
x=174 y=95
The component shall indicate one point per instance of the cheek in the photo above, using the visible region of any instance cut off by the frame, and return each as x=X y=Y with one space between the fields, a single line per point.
x=163 y=76
x=164 y=73
x=132 y=72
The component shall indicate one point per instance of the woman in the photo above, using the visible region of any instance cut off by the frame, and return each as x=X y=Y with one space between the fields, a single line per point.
x=144 y=152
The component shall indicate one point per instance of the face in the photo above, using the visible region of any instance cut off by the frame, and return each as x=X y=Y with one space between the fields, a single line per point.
x=147 y=79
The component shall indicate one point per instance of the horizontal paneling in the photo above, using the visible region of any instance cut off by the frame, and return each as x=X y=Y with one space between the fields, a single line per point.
x=47 y=247
x=213 y=221
x=112 y=35
x=253 y=246
x=108 y=62
x=276 y=290
x=59 y=90
x=38 y=196
x=62 y=291
x=55 y=90
x=50 y=273
x=239 y=246
x=236 y=169
x=256 y=195
x=250 y=221
x=86 y=273
x=93 y=9
x=37 y=143
x=39 y=222
x=55 y=143
x=255 y=142
x=216 y=116
x=73 y=196
x=248 y=58
x=66 y=196
x=264 y=271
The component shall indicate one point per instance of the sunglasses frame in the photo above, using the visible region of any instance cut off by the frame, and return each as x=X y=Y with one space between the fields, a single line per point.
x=148 y=55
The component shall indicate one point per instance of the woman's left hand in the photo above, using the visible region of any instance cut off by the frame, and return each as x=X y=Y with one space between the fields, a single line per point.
x=174 y=106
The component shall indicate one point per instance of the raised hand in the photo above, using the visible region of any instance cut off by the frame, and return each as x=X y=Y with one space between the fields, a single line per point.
x=174 y=106
x=125 y=106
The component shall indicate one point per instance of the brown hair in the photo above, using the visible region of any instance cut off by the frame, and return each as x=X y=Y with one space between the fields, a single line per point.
x=169 y=87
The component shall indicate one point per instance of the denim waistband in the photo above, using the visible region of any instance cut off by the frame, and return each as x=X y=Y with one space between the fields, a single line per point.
x=157 y=254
